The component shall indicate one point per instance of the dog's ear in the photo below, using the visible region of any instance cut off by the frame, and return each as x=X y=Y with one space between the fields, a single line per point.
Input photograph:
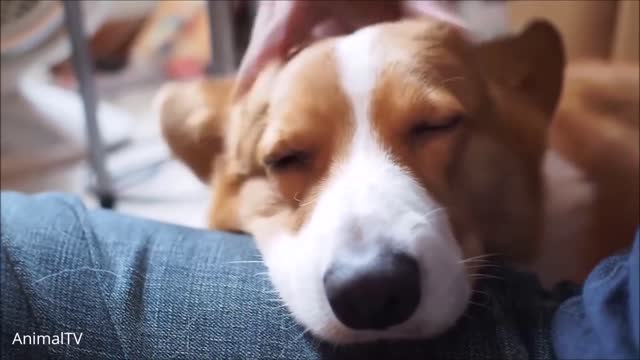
x=524 y=76
x=530 y=65
x=193 y=118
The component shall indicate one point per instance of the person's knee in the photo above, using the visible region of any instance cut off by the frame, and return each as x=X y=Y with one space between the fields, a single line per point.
x=26 y=218
x=602 y=322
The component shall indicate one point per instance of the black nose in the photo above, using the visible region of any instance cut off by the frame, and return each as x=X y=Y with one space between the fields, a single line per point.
x=377 y=294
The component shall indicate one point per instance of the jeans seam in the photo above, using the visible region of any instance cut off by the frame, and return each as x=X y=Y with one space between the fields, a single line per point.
x=87 y=232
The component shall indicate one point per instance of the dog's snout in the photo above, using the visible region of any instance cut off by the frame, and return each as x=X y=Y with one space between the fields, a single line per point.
x=377 y=294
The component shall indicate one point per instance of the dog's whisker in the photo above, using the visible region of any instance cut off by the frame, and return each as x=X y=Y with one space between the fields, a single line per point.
x=479 y=257
x=482 y=266
x=475 y=261
x=274 y=300
x=482 y=256
x=485 y=276
x=311 y=200
x=298 y=337
x=246 y=262
x=278 y=307
x=467 y=316
x=453 y=78
x=484 y=306
x=481 y=293
x=479 y=275
x=294 y=324
x=286 y=318
x=434 y=211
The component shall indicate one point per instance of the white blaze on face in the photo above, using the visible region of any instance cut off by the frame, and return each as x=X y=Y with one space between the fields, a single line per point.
x=369 y=203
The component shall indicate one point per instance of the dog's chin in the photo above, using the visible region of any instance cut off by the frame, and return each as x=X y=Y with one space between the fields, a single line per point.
x=332 y=331
x=295 y=269
x=429 y=320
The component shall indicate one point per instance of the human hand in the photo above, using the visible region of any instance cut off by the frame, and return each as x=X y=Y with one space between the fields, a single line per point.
x=282 y=27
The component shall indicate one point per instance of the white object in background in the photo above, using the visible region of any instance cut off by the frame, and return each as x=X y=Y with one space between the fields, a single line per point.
x=485 y=20
x=39 y=107
x=64 y=108
x=42 y=124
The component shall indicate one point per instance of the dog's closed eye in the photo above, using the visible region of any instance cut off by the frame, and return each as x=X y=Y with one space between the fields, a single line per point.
x=286 y=160
x=426 y=128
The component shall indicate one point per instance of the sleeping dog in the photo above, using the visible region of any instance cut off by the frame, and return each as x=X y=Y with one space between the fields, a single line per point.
x=376 y=170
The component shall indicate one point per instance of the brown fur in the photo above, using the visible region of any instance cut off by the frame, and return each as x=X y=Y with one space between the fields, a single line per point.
x=486 y=172
x=299 y=121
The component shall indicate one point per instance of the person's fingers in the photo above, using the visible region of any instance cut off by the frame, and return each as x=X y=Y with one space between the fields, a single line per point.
x=279 y=27
x=359 y=14
x=264 y=25
x=258 y=54
x=328 y=28
x=284 y=27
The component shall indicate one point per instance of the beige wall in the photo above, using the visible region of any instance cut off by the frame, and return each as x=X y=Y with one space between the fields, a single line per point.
x=605 y=29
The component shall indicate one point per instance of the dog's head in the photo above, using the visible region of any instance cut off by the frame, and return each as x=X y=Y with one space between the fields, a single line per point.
x=370 y=167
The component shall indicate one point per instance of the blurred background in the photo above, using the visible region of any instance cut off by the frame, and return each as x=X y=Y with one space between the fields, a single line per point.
x=135 y=46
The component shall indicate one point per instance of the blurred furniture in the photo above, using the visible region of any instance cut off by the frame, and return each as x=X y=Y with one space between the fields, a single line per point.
x=31 y=34
x=222 y=40
x=84 y=73
x=222 y=37
x=43 y=126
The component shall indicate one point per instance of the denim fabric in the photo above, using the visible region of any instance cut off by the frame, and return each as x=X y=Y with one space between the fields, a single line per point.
x=603 y=322
x=139 y=289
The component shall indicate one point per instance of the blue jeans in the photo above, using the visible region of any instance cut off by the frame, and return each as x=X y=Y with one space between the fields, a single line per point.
x=604 y=321
x=137 y=289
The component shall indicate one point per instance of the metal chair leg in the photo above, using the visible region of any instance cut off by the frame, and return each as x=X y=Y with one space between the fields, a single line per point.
x=222 y=37
x=84 y=73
